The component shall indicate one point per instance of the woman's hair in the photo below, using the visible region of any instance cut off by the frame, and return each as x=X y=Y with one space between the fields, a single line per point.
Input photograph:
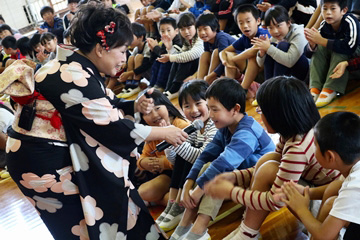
x=161 y=99
x=195 y=89
x=5 y=27
x=92 y=18
x=46 y=37
x=208 y=19
x=287 y=106
x=276 y=14
x=23 y=44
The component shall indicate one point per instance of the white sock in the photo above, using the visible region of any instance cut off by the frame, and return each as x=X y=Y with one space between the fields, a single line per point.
x=246 y=233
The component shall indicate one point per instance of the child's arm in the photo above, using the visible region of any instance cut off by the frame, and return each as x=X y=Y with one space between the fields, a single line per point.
x=299 y=203
x=190 y=55
x=191 y=153
x=223 y=54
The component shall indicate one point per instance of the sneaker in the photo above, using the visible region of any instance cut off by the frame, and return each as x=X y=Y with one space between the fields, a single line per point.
x=144 y=83
x=131 y=92
x=205 y=236
x=173 y=218
x=4 y=174
x=325 y=98
x=164 y=213
x=315 y=93
x=171 y=96
x=180 y=232
x=124 y=90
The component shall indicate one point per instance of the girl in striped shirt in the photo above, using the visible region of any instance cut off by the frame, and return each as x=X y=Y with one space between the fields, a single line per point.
x=193 y=103
x=287 y=108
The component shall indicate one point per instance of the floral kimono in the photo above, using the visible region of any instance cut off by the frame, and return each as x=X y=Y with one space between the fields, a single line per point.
x=73 y=164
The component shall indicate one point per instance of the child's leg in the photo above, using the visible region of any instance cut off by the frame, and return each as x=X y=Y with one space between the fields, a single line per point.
x=240 y=64
x=179 y=74
x=338 y=84
x=319 y=67
x=137 y=63
x=216 y=68
x=204 y=64
x=154 y=73
x=251 y=72
x=262 y=181
x=155 y=189
x=163 y=74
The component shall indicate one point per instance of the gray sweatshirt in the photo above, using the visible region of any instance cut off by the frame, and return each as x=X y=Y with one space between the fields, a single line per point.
x=297 y=41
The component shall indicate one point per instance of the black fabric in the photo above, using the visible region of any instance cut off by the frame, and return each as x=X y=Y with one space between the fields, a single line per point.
x=180 y=172
x=352 y=232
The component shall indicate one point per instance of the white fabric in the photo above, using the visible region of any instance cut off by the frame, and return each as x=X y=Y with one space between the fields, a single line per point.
x=6 y=119
x=347 y=204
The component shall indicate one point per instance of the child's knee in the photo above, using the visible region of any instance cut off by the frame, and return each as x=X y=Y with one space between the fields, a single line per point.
x=138 y=58
x=265 y=175
x=283 y=46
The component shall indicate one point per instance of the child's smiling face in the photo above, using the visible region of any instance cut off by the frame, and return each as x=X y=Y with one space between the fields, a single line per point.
x=278 y=30
x=248 y=24
x=195 y=109
x=159 y=116
x=206 y=33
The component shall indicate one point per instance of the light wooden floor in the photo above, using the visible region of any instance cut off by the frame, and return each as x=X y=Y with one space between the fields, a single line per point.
x=19 y=220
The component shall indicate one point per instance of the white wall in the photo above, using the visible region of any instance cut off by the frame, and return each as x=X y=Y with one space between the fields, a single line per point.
x=13 y=13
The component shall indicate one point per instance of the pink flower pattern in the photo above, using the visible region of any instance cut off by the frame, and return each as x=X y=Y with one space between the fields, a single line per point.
x=49 y=68
x=65 y=185
x=39 y=184
x=91 y=212
x=74 y=72
x=81 y=230
x=100 y=111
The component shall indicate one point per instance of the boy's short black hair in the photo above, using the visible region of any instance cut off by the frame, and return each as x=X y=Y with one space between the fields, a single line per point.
x=340 y=132
x=342 y=3
x=244 y=8
x=208 y=19
x=287 y=106
x=5 y=27
x=228 y=92
x=23 y=44
x=35 y=40
x=168 y=20
x=73 y=1
x=195 y=89
x=9 y=42
x=2 y=18
x=138 y=30
x=276 y=14
x=46 y=9
x=66 y=33
x=47 y=36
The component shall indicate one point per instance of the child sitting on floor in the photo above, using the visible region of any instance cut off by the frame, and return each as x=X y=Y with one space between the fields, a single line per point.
x=49 y=41
x=193 y=103
x=184 y=64
x=158 y=168
x=334 y=42
x=239 y=143
x=283 y=53
x=215 y=41
x=287 y=108
x=240 y=57
x=337 y=140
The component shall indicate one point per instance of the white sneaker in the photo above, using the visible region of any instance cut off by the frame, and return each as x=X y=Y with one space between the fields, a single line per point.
x=170 y=222
x=131 y=92
x=206 y=236
x=171 y=96
x=325 y=98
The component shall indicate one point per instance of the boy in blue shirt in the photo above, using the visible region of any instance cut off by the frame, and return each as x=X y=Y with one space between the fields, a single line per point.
x=51 y=23
x=238 y=144
x=334 y=42
x=241 y=56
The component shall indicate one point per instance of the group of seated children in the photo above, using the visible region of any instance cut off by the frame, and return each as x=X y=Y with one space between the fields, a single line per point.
x=278 y=47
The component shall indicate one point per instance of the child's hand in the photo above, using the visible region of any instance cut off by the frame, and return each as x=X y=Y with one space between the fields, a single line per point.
x=295 y=200
x=143 y=104
x=41 y=56
x=125 y=76
x=167 y=41
x=261 y=44
x=164 y=58
x=339 y=70
x=219 y=188
x=185 y=198
x=314 y=36
x=229 y=176
x=263 y=6
x=152 y=43
x=42 y=30
x=196 y=195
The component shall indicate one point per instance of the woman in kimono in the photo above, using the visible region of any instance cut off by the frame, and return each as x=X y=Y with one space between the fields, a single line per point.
x=73 y=163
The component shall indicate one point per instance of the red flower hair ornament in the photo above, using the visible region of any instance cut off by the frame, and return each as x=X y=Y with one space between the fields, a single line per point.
x=101 y=34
